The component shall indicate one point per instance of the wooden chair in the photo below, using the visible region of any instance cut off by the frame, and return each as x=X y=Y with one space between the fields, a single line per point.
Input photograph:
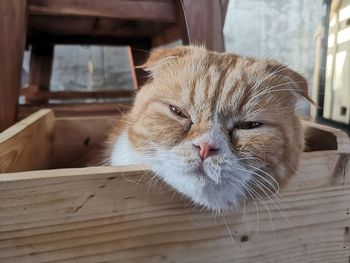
x=139 y=24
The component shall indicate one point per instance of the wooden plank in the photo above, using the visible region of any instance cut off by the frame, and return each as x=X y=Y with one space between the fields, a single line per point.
x=70 y=109
x=91 y=26
x=118 y=214
x=34 y=94
x=224 y=6
x=41 y=61
x=317 y=169
x=13 y=30
x=204 y=24
x=111 y=214
x=77 y=139
x=135 y=84
x=343 y=140
x=28 y=144
x=49 y=39
x=316 y=73
x=122 y=9
x=139 y=55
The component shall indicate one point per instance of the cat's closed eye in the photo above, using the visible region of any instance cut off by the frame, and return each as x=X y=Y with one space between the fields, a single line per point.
x=248 y=125
x=177 y=112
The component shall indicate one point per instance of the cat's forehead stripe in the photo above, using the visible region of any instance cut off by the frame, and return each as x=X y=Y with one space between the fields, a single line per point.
x=218 y=84
x=209 y=77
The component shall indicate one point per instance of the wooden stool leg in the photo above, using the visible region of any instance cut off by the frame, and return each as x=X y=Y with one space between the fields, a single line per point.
x=13 y=31
x=41 y=61
x=138 y=57
x=135 y=83
x=204 y=23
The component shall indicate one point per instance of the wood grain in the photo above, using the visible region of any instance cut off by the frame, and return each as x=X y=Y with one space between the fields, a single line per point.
x=101 y=215
x=13 y=30
x=41 y=61
x=204 y=24
x=343 y=142
x=135 y=84
x=76 y=109
x=76 y=137
x=34 y=94
x=139 y=56
x=162 y=11
x=72 y=26
x=124 y=214
x=28 y=144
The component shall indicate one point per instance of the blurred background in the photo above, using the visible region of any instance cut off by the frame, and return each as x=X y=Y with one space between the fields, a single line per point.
x=283 y=30
x=83 y=53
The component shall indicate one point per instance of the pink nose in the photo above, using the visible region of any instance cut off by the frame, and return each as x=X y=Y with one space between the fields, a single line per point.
x=205 y=149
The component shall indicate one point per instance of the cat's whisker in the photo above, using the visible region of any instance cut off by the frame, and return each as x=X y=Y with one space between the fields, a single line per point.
x=244 y=186
x=279 y=69
x=122 y=121
x=142 y=50
x=277 y=206
x=275 y=90
x=142 y=178
x=122 y=113
x=105 y=162
x=269 y=175
x=269 y=196
x=127 y=179
x=286 y=83
x=153 y=185
x=244 y=210
x=240 y=192
x=260 y=199
x=150 y=181
x=229 y=232
x=268 y=90
x=264 y=179
x=274 y=194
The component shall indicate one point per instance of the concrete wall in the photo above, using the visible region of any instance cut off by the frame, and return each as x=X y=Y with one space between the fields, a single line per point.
x=280 y=29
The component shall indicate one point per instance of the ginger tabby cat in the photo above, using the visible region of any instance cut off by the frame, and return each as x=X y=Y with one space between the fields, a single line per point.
x=217 y=127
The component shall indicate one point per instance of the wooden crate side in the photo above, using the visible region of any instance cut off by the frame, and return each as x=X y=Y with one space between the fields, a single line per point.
x=28 y=144
x=119 y=214
x=316 y=169
x=343 y=140
x=79 y=138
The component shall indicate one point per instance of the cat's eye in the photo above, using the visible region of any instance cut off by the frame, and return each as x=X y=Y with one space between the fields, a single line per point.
x=177 y=112
x=248 y=125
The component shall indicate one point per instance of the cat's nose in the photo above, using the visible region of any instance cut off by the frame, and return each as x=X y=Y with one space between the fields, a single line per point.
x=205 y=150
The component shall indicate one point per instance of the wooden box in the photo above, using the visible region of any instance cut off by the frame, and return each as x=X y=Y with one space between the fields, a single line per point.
x=119 y=214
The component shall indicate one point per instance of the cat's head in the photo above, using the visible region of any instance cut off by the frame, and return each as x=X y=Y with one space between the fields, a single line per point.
x=218 y=127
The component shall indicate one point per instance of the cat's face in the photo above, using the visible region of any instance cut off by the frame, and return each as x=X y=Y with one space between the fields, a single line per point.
x=218 y=128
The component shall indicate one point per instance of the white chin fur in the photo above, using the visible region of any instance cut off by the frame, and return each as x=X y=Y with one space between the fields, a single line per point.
x=123 y=153
x=221 y=196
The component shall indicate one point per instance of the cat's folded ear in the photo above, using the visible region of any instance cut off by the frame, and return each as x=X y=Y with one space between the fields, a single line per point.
x=162 y=56
x=295 y=80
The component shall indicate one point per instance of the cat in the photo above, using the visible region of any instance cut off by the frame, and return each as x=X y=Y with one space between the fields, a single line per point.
x=219 y=128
